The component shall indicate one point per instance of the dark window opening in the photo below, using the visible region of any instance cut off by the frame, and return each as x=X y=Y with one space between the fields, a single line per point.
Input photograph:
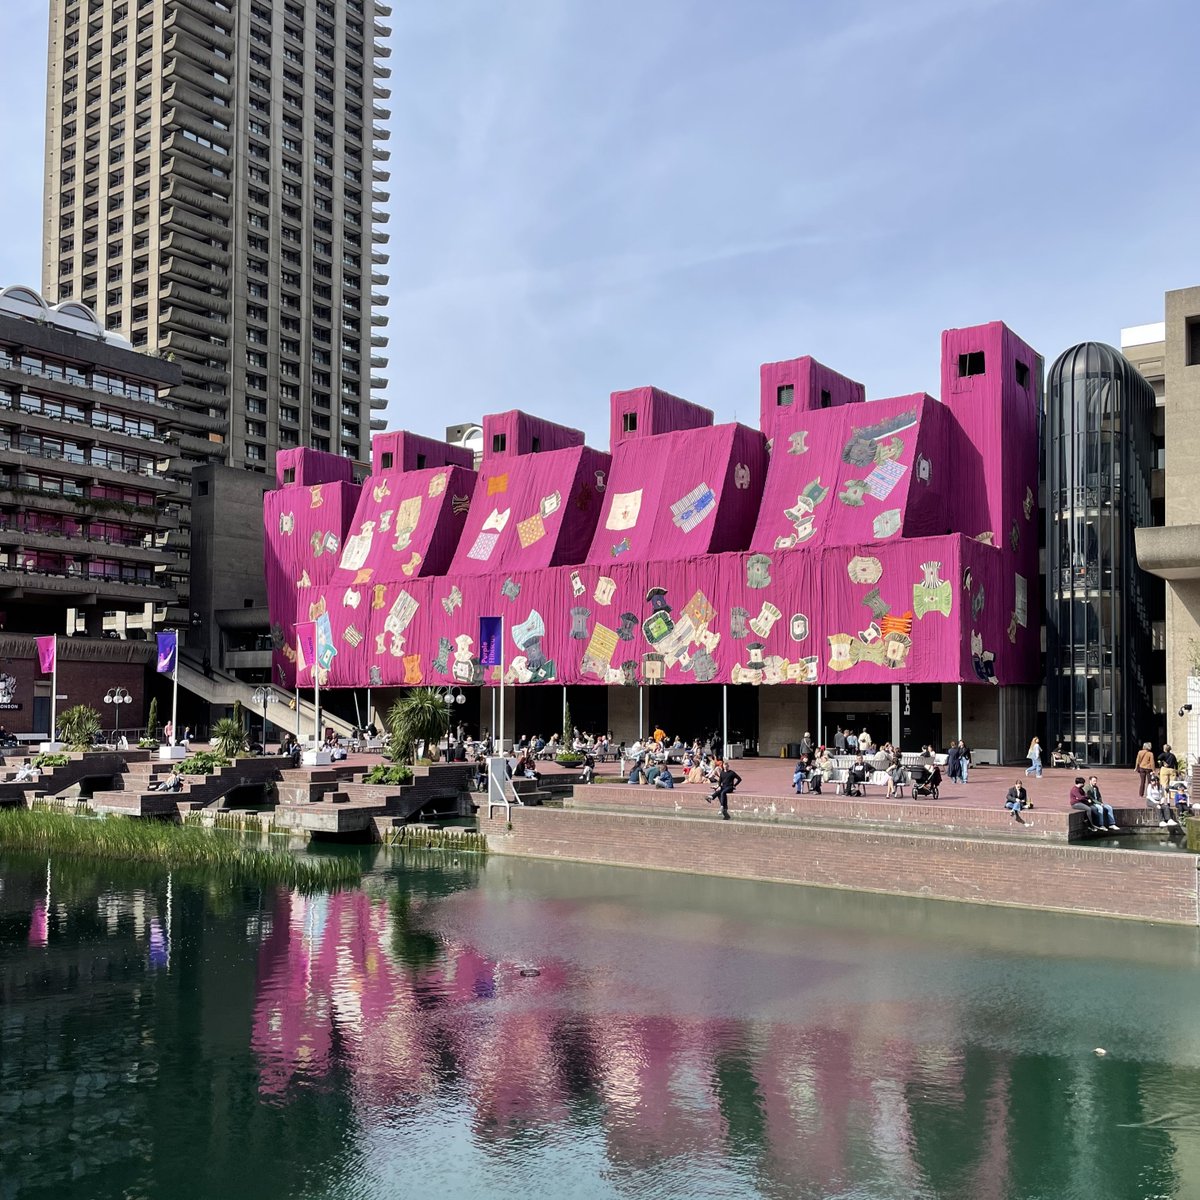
x=386 y=460
x=785 y=393
x=1022 y=376
x=970 y=364
x=247 y=603
x=1193 y=342
x=203 y=487
x=826 y=398
x=535 y=444
x=499 y=442
x=629 y=422
x=420 y=462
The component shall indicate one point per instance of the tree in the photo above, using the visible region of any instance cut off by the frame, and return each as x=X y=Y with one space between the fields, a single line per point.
x=152 y=718
x=567 y=739
x=229 y=737
x=79 y=726
x=237 y=712
x=421 y=715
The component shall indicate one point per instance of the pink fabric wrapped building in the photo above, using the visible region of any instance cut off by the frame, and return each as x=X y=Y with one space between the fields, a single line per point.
x=844 y=543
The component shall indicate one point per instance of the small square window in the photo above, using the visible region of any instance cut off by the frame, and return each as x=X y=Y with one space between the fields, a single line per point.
x=385 y=460
x=289 y=474
x=203 y=488
x=420 y=462
x=499 y=442
x=629 y=422
x=785 y=394
x=1022 y=375
x=535 y=444
x=826 y=398
x=970 y=364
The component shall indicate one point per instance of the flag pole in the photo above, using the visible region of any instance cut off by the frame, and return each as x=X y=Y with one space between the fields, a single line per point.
x=54 y=690
x=175 y=692
x=500 y=749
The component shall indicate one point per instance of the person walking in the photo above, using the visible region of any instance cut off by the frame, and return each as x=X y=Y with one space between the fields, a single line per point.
x=1144 y=766
x=1168 y=764
x=839 y=741
x=725 y=784
x=1034 y=754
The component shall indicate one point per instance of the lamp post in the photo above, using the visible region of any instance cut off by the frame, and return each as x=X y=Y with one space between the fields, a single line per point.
x=264 y=696
x=117 y=696
x=452 y=697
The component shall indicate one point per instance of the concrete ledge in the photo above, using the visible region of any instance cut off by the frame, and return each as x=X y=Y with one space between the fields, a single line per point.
x=1025 y=874
x=1169 y=551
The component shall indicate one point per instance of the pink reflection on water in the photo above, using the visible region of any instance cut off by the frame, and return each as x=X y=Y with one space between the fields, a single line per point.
x=353 y=988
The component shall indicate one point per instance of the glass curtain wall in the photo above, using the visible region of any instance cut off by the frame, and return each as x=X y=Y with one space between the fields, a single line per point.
x=1099 y=450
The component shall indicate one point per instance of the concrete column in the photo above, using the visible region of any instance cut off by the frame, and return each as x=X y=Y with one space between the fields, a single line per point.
x=895 y=739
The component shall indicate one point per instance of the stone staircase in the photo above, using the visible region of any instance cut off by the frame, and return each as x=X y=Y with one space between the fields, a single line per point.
x=352 y=808
x=65 y=780
x=132 y=795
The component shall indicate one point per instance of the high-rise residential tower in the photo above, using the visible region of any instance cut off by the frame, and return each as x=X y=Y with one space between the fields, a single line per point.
x=214 y=184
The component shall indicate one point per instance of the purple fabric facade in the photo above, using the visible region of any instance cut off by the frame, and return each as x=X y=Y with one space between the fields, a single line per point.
x=804 y=384
x=306 y=528
x=675 y=495
x=646 y=411
x=407 y=524
x=532 y=510
x=400 y=450
x=886 y=542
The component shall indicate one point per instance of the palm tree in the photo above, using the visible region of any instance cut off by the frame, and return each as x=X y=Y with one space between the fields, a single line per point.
x=229 y=737
x=419 y=716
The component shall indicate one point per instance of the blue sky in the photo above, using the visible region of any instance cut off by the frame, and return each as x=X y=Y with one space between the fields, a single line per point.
x=588 y=197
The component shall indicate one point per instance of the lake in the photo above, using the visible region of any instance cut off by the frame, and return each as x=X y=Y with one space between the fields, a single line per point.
x=468 y=1027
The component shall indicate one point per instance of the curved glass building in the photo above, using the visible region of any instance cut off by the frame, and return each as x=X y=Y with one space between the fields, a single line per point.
x=1099 y=446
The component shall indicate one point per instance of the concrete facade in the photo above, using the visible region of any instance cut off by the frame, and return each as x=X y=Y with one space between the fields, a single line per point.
x=214 y=182
x=1169 y=357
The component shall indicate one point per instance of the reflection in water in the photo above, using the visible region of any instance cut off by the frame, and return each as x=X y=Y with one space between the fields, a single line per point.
x=168 y=1037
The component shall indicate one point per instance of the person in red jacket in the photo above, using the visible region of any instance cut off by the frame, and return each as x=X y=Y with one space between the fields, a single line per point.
x=1080 y=803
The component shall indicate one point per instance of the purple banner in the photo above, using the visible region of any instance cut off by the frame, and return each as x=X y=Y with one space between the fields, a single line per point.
x=168 y=649
x=491 y=634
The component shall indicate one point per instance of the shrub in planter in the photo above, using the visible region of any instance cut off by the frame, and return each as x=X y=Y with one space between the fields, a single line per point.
x=205 y=762
x=79 y=726
x=51 y=760
x=391 y=776
x=569 y=758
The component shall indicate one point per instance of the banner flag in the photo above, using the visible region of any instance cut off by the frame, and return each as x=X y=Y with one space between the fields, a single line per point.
x=168 y=649
x=46 y=647
x=326 y=649
x=306 y=646
x=491 y=633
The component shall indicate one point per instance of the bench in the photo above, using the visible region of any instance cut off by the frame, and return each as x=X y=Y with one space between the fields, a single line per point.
x=877 y=779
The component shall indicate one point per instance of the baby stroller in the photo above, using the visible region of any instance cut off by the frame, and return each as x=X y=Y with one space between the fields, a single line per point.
x=927 y=781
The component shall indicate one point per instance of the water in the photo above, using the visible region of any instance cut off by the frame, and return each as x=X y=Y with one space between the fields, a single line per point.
x=685 y=1037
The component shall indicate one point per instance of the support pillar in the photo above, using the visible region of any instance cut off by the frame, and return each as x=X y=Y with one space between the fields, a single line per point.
x=895 y=714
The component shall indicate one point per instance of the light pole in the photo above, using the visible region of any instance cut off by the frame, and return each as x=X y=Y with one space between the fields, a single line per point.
x=264 y=696
x=452 y=697
x=117 y=696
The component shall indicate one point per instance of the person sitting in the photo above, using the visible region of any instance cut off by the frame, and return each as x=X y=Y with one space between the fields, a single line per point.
x=589 y=768
x=27 y=773
x=1104 y=812
x=896 y=776
x=664 y=779
x=1016 y=800
x=122 y=742
x=1157 y=798
x=857 y=776
x=695 y=773
x=637 y=770
x=529 y=769
x=172 y=783
x=1081 y=804
x=800 y=775
x=481 y=773
x=653 y=771
x=1060 y=756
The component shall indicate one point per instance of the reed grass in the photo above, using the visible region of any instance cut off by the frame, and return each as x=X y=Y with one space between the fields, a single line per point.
x=171 y=846
x=465 y=840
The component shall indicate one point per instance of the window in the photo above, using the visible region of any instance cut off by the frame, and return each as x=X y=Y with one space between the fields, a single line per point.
x=499 y=442
x=970 y=364
x=785 y=394
x=289 y=474
x=1022 y=376
x=826 y=398
x=1193 y=341
x=385 y=460
x=535 y=444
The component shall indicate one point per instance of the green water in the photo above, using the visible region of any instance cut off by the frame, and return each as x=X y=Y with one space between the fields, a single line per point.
x=683 y=1037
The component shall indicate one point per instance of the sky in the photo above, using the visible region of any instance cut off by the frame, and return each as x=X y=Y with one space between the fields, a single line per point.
x=589 y=197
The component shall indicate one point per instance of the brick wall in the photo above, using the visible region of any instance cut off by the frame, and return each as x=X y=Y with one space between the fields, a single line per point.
x=1145 y=886
x=81 y=682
